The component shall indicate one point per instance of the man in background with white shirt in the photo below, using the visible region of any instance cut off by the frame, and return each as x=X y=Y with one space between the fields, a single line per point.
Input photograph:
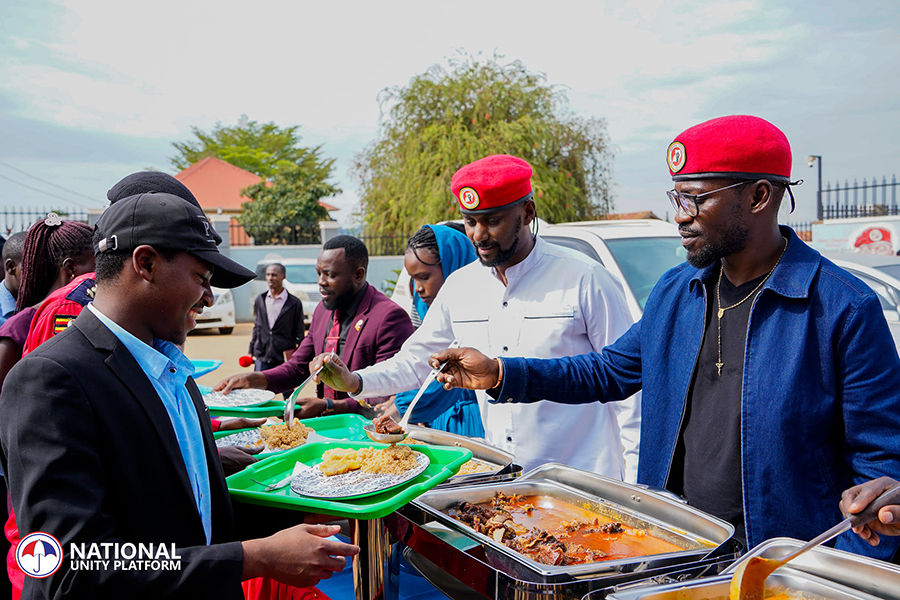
x=278 y=329
x=525 y=296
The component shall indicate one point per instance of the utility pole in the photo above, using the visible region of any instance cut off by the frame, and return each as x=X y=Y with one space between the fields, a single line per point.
x=811 y=160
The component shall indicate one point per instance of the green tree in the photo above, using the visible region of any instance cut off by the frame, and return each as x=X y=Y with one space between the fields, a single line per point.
x=263 y=149
x=286 y=210
x=443 y=120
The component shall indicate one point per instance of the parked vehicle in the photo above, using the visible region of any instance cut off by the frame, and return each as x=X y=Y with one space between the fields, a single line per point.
x=220 y=314
x=636 y=251
x=300 y=280
x=882 y=274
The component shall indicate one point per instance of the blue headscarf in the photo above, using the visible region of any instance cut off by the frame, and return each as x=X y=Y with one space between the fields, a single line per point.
x=455 y=410
x=455 y=250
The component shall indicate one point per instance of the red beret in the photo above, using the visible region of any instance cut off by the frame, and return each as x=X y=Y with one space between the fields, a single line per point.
x=736 y=147
x=492 y=183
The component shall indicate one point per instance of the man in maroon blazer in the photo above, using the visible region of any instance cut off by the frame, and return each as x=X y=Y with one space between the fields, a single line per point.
x=360 y=323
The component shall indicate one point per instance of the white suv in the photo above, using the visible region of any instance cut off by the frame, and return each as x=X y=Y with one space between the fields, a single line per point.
x=637 y=251
x=220 y=314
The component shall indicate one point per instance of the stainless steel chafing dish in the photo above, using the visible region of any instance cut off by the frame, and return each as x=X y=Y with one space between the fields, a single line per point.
x=464 y=563
x=819 y=573
x=481 y=450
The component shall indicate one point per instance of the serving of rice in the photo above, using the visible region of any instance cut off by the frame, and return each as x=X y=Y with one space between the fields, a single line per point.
x=282 y=437
x=393 y=460
x=477 y=466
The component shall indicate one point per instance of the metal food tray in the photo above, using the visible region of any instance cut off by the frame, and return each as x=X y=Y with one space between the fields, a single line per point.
x=867 y=575
x=698 y=534
x=820 y=573
x=481 y=450
x=803 y=585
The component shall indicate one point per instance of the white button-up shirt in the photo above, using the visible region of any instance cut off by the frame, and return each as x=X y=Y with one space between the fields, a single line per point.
x=557 y=303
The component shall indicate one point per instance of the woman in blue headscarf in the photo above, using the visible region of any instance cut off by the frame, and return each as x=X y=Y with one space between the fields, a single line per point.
x=432 y=254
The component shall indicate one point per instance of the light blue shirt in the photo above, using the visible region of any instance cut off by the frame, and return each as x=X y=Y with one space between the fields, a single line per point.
x=7 y=303
x=168 y=370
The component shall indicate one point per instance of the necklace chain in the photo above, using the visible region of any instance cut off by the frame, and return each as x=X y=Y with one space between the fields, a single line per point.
x=721 y=311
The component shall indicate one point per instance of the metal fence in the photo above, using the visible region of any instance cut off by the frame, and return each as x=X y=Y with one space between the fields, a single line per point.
x=385 y=245
x=279 y=235
x=871 y=199
x=802 y=229
x=309 y=233
x=15 y=219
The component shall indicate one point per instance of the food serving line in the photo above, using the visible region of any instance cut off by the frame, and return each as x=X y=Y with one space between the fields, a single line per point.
x=412 y=520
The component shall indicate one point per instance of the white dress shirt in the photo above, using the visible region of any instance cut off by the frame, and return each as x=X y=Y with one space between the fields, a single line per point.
x=557 y=303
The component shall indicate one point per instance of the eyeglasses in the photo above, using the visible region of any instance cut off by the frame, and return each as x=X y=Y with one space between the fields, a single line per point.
x=688 y=202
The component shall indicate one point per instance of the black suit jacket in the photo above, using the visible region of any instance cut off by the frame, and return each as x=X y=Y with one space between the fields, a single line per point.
x=91 y=456
x=287 y=333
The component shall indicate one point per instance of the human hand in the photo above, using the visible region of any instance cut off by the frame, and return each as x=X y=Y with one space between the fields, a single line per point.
x=860 y=496
x=300 y=556
x=236 y=458
x=466 y=368
x=387 y=408
x=307 y=408
x=335 y=373
x=240 y=423
x=255 y=380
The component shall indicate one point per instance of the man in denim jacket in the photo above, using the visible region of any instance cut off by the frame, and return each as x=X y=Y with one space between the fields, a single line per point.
x=770 y=380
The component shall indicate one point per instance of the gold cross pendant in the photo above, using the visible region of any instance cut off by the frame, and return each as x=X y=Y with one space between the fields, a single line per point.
x=719 y=367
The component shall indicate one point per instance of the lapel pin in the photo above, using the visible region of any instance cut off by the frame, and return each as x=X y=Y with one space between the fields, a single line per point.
x=359 y=324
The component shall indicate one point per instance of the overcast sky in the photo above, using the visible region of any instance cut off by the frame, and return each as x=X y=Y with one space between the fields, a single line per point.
x=93 y=90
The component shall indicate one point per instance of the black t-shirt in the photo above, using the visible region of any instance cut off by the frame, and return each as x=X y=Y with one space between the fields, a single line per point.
x=706 y=468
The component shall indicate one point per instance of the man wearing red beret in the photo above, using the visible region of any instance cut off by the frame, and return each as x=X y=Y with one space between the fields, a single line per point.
x=770 y=380
x=526 y=297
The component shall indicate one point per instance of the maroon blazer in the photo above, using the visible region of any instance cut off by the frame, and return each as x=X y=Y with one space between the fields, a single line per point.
x=379 y=329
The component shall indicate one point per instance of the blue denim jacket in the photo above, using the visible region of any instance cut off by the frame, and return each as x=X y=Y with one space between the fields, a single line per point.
x=819 y=409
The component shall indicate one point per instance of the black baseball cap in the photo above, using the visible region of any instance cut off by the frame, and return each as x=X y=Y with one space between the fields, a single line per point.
x=143 y=182
x=165 y=221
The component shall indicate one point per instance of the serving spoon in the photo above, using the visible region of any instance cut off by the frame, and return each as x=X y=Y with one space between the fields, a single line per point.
x=749 y=580
x=393 y=438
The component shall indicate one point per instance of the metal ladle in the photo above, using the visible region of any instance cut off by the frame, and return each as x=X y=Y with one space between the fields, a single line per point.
x=393 y=438
x=749 y=579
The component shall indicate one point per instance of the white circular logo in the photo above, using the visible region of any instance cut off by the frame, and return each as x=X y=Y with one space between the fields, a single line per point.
x=468 y=197
x=39 y=555
x=875 y=235
x=676 y=156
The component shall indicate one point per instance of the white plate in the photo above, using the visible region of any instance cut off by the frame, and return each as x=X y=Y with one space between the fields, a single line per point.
x=354 y=484
x=250 y=437
x=238 y=398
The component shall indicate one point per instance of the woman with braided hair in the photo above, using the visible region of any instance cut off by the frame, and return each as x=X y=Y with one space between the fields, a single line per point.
x=432 y=253
x=55 y=252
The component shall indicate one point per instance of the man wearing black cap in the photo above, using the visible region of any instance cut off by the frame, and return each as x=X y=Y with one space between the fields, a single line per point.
x=770 y=374
x=107 y=444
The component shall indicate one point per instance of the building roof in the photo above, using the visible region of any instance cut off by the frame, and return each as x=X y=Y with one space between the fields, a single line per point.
x=218 y=184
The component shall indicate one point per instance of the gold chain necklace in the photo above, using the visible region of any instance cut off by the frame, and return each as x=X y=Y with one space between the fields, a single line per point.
x=721 y=311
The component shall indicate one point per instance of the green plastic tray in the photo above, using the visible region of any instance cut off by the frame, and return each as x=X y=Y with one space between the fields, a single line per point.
x=339 y=427
x=445 y=462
